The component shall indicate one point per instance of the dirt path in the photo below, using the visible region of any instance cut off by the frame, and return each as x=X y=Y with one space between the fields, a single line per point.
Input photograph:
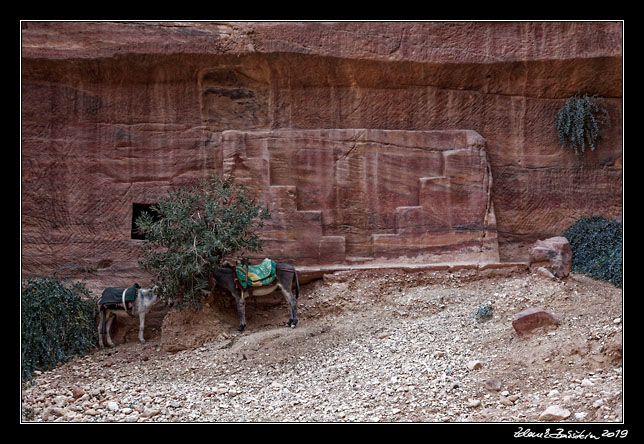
x=394 y=347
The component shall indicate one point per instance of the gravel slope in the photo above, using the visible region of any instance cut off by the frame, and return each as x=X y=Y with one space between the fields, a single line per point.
x=397 y=347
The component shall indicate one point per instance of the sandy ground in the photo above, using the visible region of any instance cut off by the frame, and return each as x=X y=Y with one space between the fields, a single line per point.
x=369 y=347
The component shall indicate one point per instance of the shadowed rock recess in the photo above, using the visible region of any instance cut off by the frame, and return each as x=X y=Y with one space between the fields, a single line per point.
x=370 y=142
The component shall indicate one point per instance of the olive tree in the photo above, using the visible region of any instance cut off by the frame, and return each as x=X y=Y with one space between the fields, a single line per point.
x=192 y=229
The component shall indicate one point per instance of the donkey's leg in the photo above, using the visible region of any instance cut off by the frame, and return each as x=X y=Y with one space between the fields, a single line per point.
x=141 y=326
x=101 y=327
x=241 y=310
x=108 y=327
x=292 y=305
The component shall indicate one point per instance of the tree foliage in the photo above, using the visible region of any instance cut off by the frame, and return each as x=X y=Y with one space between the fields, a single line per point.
x=579 y=122
x=191 y=230
x=57 y=323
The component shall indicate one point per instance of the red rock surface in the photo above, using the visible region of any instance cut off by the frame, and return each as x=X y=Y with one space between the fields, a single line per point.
x=357 y=196
x=114 y=113
x=553 y=253
x=531 y=318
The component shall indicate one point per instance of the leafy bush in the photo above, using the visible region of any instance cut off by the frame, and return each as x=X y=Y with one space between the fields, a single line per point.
x=483 y=313
x=192 y=230
x=58 y=322
x=579 y=121
x=596 y=245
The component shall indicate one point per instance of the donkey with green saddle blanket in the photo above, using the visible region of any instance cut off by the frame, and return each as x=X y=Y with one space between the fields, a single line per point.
x=256 y=275
x=259 y=280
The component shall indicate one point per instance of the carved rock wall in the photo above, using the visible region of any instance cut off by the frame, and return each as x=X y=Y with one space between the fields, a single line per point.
x=114 y=113
x=359 y=196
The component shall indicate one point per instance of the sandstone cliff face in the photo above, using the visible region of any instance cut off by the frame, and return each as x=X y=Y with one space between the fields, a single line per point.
x=116 y=113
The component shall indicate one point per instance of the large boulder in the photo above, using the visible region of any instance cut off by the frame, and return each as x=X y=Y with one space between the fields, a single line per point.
x=554 y=254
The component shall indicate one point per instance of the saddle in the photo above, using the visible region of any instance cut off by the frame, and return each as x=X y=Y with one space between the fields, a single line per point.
x=113 y=298
x=256 y=275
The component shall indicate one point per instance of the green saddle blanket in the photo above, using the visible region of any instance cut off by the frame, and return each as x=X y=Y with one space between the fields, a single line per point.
x=256 y=275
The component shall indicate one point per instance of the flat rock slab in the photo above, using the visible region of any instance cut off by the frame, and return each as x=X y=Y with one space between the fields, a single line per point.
x=531 y=318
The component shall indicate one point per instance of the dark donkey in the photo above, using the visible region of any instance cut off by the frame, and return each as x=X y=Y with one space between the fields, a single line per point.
x=224 y=277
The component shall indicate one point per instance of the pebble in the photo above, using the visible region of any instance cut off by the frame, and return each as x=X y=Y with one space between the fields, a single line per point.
x=554 y=413
x=493 y=384
x=58 y=411
x=78 y=392
x=598 y=403
x=474 y=365
x=131 y=418
x=472 y=403
x=113 y=406
x=149 y=412
x=60 y=401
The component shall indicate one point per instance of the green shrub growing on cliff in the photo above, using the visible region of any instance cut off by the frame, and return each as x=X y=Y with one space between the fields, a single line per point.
x=57 y=323
x=579 y=121
x=596 y=245
x=193 y=230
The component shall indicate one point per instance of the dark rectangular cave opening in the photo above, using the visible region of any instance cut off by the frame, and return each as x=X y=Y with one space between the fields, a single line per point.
x=137 y=211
